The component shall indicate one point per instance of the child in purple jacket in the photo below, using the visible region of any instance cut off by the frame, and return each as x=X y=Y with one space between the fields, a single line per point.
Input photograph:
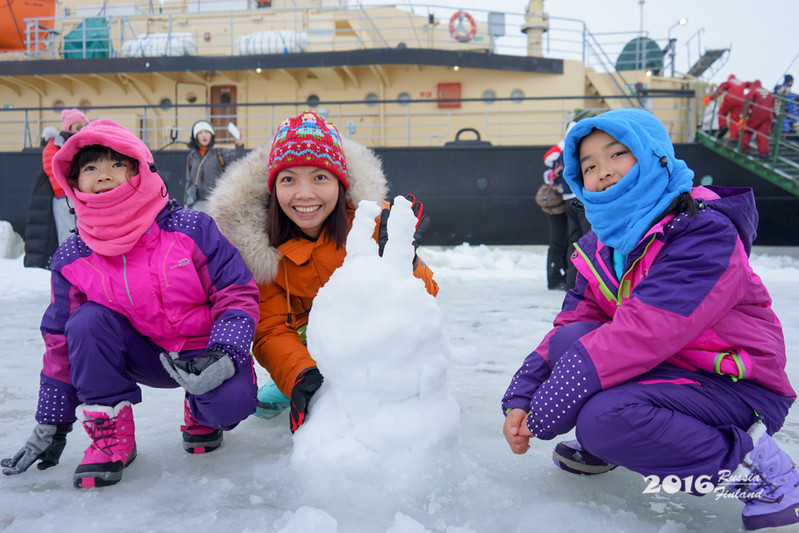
x=146 y=293
x=666 y=356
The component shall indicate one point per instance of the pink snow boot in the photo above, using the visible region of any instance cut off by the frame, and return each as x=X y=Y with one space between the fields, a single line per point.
x=767 y=481
x=113 y=444
x=198 y=438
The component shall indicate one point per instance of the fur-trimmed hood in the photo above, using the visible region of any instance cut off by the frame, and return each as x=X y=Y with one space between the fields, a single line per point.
x=239 y=202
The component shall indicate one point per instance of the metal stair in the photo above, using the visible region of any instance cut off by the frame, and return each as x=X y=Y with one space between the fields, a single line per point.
x=781 y=168
x=706 y=61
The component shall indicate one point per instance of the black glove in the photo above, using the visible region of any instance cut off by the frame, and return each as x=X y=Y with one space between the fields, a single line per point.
x=44 y=445
x=422 y=223
x=422 y=220
x=306 y=385
x=200 y=374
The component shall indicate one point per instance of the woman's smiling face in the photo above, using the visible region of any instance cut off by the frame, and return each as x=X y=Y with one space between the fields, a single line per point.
x=307 y=195
x=603 y=161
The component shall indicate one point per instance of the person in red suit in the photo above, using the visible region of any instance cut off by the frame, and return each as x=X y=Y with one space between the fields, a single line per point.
x=731 y=108
x=759 y=116
x=73 y=120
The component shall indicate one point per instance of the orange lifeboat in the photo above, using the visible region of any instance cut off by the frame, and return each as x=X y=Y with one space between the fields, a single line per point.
x=13 y=26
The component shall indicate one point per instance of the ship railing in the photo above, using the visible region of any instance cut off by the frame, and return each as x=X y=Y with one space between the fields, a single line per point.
x=594 y=49
x=233 y=32
x=781 y=166
x=515 y=121
x=230 y=33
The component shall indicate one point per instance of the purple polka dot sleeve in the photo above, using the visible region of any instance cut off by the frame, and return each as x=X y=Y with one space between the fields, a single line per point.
x=525 y=382
x=556 y=403
x=232 y=333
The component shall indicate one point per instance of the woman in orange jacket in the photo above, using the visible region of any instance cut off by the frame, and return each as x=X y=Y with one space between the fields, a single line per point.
x=288 y=208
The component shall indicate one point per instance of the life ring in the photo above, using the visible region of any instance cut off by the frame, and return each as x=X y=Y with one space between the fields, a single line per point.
x=456 y=27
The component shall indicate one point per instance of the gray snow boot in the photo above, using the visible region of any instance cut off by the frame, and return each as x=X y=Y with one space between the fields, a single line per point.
x=572 y=457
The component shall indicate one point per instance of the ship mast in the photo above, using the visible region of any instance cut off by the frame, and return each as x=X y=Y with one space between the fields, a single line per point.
x=536 y=23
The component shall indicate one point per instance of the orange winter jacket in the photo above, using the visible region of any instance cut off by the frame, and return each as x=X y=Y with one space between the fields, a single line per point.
x=305 y=267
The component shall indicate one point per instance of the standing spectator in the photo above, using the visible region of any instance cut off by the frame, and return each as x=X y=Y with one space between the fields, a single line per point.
x=643 y=96
x=41 y=238
x=576 y=223
x=759 y=116
x=206 y=163
x=72 y=121
x=734 y=92
x=787 y=103
x=557 y=251
x=710 y=118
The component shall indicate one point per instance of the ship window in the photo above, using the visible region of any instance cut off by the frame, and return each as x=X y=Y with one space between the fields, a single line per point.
x=371 y=99
x=404 y=99
x=165 y=103
x=84 y=104
x=59 y=104
x=489 y=96
x=313 y=100
x=517 y=96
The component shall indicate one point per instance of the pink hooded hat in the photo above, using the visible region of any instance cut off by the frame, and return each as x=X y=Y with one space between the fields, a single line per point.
x=112 y=222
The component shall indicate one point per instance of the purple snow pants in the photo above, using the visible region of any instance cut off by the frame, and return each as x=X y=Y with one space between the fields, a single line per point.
x=109 y=359
x=672 y=421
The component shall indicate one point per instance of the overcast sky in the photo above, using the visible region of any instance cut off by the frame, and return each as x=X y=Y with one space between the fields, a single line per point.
x=763 y=36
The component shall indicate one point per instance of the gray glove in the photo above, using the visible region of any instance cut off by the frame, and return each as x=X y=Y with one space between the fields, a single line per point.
x=201 y=374
x=44 y=445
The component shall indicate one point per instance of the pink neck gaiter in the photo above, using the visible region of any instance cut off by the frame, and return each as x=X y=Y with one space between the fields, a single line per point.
x=112 y=222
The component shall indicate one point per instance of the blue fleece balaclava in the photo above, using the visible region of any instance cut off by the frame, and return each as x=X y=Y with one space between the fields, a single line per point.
x=622 y=214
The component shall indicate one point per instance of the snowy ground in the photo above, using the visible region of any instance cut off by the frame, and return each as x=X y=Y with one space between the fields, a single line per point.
x=494 y=309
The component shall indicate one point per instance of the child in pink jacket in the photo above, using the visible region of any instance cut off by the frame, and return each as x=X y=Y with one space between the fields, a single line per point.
x=146 y=293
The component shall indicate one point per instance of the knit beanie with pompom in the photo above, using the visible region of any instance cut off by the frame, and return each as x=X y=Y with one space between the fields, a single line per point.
x=307 y=140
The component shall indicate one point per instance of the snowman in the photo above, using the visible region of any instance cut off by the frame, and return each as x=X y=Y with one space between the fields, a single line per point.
x=383 y=426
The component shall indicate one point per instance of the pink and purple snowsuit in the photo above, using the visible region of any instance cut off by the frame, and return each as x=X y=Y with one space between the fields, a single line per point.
x=665 y=374
x=181 y=287
x=664 y=370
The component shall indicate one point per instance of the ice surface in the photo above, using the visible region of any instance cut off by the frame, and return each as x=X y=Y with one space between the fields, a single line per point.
x=492 y=309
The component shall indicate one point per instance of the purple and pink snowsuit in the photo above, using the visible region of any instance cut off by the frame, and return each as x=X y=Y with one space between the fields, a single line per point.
x=664 y=371
x=180 y=287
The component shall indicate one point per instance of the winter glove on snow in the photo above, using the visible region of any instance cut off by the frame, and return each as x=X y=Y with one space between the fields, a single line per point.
x=422 y=223
x=200 y=374
x=44 y=445
x=305 y=386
